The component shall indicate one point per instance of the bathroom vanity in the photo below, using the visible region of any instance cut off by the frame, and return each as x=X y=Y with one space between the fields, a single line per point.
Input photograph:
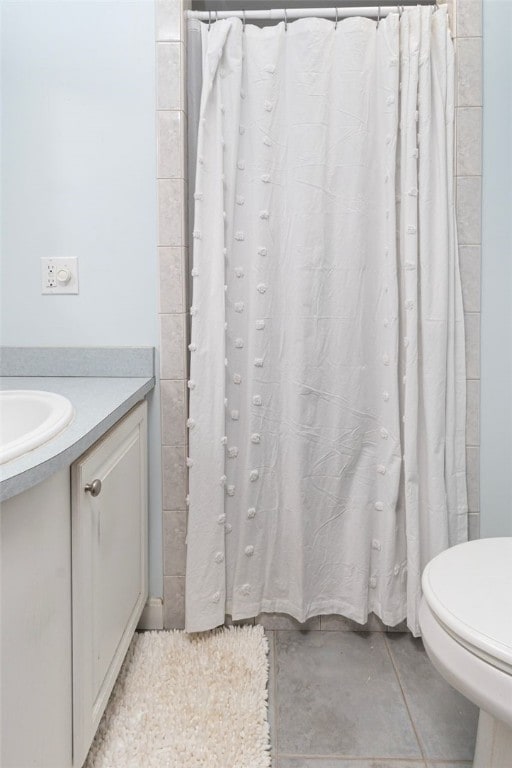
x=73 y=550
x=108 y=566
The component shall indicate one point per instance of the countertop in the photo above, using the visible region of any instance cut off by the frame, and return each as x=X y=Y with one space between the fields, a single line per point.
x=98 y=402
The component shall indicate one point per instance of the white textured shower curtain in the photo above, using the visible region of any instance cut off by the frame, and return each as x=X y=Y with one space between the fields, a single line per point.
x=327 y=390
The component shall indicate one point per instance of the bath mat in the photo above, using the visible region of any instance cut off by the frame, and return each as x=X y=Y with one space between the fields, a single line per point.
x=188 y=701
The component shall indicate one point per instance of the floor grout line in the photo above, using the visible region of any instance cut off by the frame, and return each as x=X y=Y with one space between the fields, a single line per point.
x=416 y=732
x=359 y=758
x=274 y=737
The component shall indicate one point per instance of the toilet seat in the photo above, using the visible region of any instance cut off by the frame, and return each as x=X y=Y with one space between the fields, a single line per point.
x=468 y=589
x=466 y=623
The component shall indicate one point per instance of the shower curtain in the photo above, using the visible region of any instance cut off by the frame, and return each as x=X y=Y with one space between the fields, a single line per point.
x=327 y=383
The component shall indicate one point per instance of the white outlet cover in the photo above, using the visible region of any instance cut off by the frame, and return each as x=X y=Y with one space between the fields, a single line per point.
x=50 y=266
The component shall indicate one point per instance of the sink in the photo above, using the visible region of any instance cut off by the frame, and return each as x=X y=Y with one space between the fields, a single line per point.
x=29 y=418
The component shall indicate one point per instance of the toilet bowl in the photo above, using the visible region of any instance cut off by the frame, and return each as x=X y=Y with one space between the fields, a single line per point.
x=466 y=625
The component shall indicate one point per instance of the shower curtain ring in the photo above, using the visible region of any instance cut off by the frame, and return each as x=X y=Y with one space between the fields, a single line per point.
x=378 y=17
x=209 y=20
x=216 y=15
x=243 y=17
x=285 y=21
x=336 y=23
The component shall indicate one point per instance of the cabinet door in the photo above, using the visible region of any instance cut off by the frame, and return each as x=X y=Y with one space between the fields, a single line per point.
x=109 y=566
x=35 y=626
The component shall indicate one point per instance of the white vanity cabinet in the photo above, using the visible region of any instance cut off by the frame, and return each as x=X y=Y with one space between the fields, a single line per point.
x=109 y=566
x=73 y=586
x=35 y=626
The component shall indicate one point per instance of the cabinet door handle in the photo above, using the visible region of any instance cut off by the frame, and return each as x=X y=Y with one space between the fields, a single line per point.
x=93 y=488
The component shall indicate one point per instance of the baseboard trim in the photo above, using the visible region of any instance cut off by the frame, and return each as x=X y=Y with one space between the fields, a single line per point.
x=152 y=616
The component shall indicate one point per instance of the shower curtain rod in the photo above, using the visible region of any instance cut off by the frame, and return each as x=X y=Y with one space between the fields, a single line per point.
x=284 y=14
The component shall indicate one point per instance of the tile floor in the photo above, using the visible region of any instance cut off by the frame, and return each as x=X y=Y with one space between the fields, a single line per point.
x=341 y=699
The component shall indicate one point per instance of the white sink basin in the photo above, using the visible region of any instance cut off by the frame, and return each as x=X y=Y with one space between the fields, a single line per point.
x=29 y=418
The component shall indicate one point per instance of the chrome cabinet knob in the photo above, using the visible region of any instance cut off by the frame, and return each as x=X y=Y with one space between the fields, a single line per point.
x=93 y=488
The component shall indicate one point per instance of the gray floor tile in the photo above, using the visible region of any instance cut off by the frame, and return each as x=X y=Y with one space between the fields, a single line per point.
x=374 y=624
x=282 y=621
x=228 y=622
x=337 y=694
x=445 y=721
x=270 y=688
x=333 y=762
x=402 y=627
x=457 y=764
x=340 y=623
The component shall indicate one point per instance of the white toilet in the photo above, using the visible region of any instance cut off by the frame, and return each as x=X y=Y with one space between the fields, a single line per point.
x=466 y=624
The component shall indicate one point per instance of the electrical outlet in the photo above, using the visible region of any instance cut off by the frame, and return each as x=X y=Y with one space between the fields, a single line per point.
x=59 y=274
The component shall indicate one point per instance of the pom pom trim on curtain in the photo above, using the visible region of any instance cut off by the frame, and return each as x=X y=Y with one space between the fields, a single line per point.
x=327 y=389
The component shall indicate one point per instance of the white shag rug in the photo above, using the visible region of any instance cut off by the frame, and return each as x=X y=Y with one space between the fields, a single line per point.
x=188 y=701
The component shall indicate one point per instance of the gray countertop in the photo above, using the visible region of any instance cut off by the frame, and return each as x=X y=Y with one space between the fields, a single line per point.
x=98 y=404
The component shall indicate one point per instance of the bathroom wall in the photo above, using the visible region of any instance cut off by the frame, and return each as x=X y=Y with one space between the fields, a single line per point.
x=466 y=24
x=78 y=179
x=496 y=459
x=171 y=119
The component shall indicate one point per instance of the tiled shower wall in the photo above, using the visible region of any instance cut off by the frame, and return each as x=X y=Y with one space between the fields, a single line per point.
x=171 y=121
x=466 y=24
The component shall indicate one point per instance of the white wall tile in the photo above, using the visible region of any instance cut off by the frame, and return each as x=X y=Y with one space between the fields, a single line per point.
x=472 y=333
x=170 y=143
x=469 y=210
x=171 y=212
x=473 y=478
x=172 y=347
x=469 y=67
x=473 y=412
x=452 y=15
x=469 y=18
x=473 y=526
x=174 y=602
x=172 y=279
x=173 y=398
x=469 y=141
x=470 y=263
x=175 y=532
x=174 y=477
x=168 y=19
x=169 y=90
x=172 y=236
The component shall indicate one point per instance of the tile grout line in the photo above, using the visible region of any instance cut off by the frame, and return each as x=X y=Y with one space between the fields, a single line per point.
x=416 y=733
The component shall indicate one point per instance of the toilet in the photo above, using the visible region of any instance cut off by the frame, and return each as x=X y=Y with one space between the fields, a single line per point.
x=466 y=624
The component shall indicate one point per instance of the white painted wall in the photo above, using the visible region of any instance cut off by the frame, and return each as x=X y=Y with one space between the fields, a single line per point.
x=496 y=406
x=78 y=179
